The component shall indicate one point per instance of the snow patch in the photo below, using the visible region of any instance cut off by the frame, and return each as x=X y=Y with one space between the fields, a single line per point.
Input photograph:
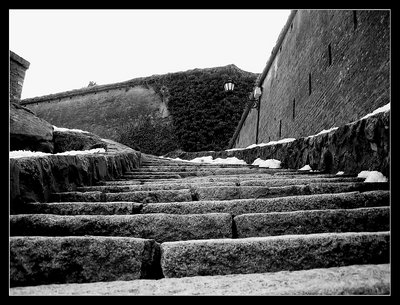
x=210 y=160
x=323 y=131
x=384 y=108
x=286 y=140
x=372 y=176
x=27 y=153
x=67 y=129
x=305 y=168
x=270 y=163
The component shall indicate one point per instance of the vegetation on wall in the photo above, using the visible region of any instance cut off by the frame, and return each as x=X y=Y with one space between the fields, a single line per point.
x=204 y=116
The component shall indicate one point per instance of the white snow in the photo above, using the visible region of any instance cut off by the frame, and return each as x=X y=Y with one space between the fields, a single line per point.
x=339 y=173
x=305 y=168
x=372 y=176
x=270 y=163
x=28 y=153
x=323 y=131
x=286 y=140
x=67 y=129
x=210 y=160
x=384 y=108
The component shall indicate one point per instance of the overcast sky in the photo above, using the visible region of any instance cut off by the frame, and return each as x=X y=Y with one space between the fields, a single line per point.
x=68 y=48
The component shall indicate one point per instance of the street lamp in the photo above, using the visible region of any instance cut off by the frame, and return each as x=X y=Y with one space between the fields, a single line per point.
x=255 y=98
x=229 y=85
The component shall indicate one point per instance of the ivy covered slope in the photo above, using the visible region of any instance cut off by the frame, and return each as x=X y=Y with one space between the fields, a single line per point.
x=202 y=116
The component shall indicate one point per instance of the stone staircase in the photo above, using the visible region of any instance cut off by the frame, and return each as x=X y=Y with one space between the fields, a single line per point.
x=173 y=227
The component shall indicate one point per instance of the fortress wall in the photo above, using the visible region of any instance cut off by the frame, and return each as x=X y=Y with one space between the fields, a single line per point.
x=101 y=112
x=331 y=68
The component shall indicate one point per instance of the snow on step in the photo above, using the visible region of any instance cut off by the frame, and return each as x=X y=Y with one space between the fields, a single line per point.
x=277 y=204
x=274 y=253
x=43 y=260
x=160 y=227
x=313 y=221
x=347 y=280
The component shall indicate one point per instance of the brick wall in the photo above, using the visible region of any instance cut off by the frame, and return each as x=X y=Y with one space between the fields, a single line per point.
x=332 y=67
x=18 y=67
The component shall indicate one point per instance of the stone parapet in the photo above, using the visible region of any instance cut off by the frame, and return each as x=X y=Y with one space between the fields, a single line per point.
x=354 y=147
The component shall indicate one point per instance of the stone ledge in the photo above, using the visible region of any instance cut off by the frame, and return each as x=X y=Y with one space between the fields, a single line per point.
x=19 y=60
x=34 y=179
x=352 y=148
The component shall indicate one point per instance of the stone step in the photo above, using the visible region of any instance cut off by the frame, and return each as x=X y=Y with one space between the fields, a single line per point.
x=83 y=208
x=235 y=207
x=272 y=254
x=312 y=221
x=186 y=184
x=153 y=175
x=189 y=168
x=192 y=164
x=204 y=172
x=346 y=280
x=137 y=196
x=219 y=192
x=160 y=227
x=242 y=192
x=216 y=178
x=38 y=260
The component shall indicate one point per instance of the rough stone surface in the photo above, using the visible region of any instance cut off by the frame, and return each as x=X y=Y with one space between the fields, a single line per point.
x=313 y=221
x=151 y=196
x=280 y=204
x=83 y=208
x=242 y=192
x=348 y=280
x=34 y=179
x=71 y=140
x=160 y=227
x=28 y=132
x=354 y=147
x=44 y=260
x=271 y=254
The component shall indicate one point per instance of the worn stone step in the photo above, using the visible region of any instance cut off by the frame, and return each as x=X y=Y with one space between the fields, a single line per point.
x=218 y=178
x=272 y=254
x=140 y=176
x=137 y=196
x=160 y=227
x=37 y=260
x=188 y=168
x=346 y=280
x=115 y=188
x=372 y=219
x=202 y=172
x=242 y=192
x=186 y=184
x=235 y=207
x=83 y=208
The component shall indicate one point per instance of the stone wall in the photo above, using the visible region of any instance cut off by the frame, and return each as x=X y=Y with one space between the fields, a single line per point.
x=18 y=67
x=101 y=110
x=352 y=148
x=328 y=68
